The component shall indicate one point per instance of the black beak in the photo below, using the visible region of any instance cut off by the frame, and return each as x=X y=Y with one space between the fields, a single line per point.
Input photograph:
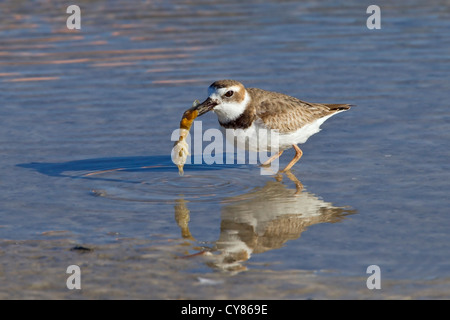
x=205 y=106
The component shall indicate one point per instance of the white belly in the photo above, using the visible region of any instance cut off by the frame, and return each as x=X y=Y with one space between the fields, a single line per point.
x=302 y=135
x=259 y=138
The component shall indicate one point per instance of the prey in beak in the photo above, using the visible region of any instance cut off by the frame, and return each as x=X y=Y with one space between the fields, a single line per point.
x=204 y=107
x=180 y=148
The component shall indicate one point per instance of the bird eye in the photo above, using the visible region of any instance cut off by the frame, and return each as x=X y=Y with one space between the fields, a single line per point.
x=229 y=93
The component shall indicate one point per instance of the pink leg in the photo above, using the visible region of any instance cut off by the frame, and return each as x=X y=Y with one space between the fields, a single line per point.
x=269 y=161
x=297 y=157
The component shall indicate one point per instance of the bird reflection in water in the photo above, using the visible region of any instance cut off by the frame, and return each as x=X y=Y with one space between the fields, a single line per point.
x=261 y=220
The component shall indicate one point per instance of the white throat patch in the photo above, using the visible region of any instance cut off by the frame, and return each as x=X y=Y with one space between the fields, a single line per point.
x=229 y=111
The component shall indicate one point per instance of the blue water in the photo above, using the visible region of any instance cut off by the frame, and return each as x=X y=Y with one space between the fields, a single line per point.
x=86 y=118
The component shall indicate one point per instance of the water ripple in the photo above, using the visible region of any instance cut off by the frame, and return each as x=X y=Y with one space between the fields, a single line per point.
x=154 y=185
x=154 y=178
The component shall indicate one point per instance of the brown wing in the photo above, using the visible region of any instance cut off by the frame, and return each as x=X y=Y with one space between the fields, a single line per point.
x=286 y=113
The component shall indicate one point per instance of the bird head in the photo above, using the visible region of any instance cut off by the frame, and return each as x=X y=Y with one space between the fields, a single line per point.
x=227 y=98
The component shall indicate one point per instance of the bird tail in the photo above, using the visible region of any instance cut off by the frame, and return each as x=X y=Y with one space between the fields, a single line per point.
x=339 y=107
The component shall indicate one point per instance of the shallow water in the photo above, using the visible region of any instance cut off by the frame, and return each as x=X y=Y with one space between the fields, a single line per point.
x=85 y=124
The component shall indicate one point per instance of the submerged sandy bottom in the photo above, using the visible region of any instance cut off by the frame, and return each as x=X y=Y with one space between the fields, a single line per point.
x=134 y=269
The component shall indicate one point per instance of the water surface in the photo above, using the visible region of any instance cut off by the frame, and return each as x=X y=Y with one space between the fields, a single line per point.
x=85 y=123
